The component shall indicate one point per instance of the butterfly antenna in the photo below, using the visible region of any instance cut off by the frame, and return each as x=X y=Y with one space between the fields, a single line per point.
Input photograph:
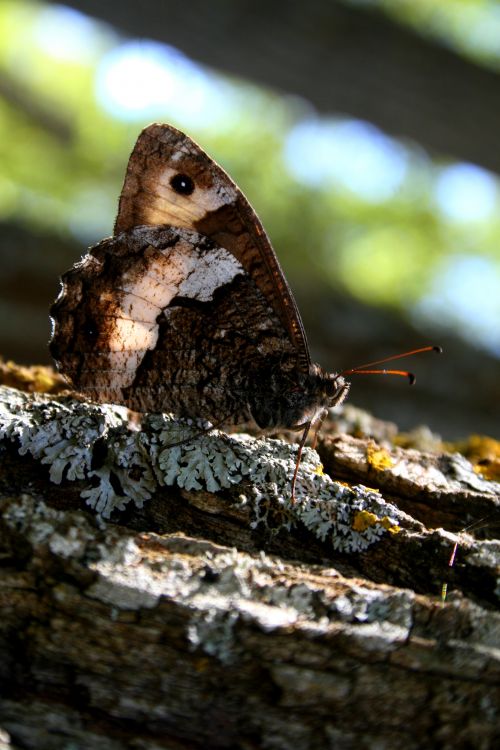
x=366 y=368
x=362 y=370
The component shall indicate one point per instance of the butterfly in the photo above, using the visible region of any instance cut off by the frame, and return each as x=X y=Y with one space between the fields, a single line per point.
x=185 y=309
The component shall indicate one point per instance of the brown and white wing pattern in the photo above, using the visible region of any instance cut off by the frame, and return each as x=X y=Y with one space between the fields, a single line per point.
x=171 y=181
x=164 y=319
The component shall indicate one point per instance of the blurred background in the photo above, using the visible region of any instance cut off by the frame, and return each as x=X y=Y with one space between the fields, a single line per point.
x=366 y=134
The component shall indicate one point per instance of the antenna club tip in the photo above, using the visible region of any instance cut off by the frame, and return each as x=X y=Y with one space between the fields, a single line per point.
x=412 y=378
x=438 y=349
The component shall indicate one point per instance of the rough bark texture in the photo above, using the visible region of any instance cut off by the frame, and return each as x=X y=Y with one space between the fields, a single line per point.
x=184 y=625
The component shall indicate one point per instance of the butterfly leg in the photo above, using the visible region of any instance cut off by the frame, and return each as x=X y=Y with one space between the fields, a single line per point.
x=299 y=456
x=318 y=425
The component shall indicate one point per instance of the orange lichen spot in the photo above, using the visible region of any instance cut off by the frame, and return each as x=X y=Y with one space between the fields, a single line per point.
x=489 y=470
x=379 y=458
x=389 y=525
x=37 y=378
x=484 y=454
x=363 y=519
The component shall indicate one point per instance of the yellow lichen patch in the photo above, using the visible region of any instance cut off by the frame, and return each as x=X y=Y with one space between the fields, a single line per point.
x=378 y=458
x=37 y=378
x=363 y=520
x=484 y=454
x=319 y=470
x=490 y=471
x=389 y=525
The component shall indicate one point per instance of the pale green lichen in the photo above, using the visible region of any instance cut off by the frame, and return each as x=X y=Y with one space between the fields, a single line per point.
x=98 y=445
x=213 y=631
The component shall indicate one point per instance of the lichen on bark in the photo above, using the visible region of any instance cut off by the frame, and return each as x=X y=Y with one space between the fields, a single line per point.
x=213 y=612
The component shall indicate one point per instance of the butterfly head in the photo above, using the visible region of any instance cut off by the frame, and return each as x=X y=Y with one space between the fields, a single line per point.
x=336 y=390
x=322 y=391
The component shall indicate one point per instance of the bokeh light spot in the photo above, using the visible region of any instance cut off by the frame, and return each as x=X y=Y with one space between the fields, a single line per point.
x=145 y=79
x=464 y=296
x=348 y=153
x=65 y=34
x=465 y=192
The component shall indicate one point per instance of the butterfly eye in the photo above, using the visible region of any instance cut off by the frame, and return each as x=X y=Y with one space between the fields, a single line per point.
x=182 y=184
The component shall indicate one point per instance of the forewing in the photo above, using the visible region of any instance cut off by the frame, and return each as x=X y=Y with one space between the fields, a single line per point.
x=215 y=208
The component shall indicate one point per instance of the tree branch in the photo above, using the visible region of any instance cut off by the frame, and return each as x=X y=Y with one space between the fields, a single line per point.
x=220 y=618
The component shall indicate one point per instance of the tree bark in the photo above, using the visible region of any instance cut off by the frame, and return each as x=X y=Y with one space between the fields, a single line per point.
x=187 y=623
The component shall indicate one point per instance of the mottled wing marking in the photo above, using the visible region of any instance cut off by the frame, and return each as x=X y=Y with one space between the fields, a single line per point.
x=140 y=300
x=161 y=319
x=216 y=209
x=168 y=207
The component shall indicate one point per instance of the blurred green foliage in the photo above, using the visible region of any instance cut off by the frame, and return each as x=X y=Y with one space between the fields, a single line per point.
x=63 y=156
x=472 y=27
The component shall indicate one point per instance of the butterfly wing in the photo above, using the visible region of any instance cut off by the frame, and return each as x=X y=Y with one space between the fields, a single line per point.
x=162 y=319
x=210 y=203
x=185 y=308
